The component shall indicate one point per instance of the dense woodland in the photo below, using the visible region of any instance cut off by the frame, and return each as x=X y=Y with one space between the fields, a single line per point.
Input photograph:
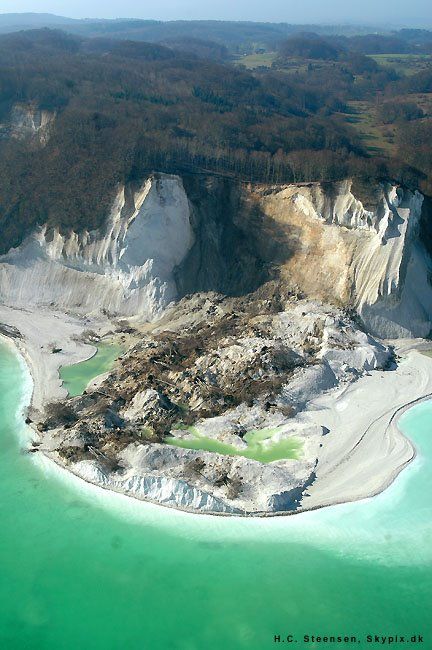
x=124 y=108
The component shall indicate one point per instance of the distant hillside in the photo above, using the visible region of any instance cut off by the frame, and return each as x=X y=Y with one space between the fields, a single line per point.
x=16 y=22
x=236 y=36
x=311 y=45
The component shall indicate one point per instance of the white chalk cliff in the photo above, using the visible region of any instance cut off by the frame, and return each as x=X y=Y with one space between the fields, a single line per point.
x=126 y=268
x=370 y=259
x=337 y=250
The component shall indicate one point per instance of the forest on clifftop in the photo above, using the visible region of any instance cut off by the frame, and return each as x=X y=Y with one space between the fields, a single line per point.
x=124 y=108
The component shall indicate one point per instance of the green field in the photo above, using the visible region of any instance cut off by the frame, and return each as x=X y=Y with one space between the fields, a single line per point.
x=375 y=136
x=378 y=138
x=252 y=61
x=405 y=64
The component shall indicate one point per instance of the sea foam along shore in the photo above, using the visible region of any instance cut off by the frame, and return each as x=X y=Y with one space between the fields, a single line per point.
x=362 y=453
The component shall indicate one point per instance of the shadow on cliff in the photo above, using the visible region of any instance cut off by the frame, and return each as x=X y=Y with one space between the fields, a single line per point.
x=426 y=224
x=237 y=247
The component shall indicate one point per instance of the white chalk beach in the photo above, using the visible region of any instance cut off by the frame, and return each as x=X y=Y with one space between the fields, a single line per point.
x=365 y=450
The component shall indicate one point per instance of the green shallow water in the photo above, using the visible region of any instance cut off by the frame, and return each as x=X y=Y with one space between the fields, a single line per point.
x=82 y=569
x=76 y=376
x=255 y=448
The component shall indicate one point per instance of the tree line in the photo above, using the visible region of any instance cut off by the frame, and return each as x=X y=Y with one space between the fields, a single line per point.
x=124 y=109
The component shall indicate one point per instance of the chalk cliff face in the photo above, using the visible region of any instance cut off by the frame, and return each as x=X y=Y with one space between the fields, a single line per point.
x=126 y=269
x=370 y=259
x=170 y=237
x=29 y=122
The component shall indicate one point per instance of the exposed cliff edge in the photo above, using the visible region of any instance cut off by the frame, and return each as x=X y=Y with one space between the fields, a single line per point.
x=371 y=259
x=28 y=122
x=169 y=237
x=127 y=269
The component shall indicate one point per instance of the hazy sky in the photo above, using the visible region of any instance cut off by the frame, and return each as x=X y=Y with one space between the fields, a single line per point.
x=390 y=12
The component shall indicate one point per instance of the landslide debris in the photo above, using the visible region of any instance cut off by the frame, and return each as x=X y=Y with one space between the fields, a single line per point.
x=214 y=354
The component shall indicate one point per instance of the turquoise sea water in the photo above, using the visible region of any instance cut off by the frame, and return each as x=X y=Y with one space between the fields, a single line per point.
x=83 y=569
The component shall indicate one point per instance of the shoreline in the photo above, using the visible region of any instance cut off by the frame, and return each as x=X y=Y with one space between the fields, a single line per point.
x=37 y=336
x=257 y=515
x=316 y=497
x=382 y=451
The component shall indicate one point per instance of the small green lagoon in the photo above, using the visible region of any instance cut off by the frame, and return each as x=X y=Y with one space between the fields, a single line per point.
x=258 y=447
x=77 y=376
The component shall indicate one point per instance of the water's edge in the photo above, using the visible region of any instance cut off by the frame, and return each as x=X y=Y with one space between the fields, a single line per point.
x=19 y=351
